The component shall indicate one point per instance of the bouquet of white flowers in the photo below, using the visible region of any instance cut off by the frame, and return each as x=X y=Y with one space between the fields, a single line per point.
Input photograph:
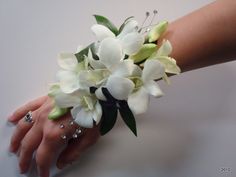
x=116 y=73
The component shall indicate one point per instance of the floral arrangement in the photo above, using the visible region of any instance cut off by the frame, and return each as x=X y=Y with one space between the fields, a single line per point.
x=116 y=73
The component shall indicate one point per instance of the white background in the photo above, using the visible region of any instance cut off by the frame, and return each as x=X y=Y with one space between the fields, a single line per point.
x=190 y=132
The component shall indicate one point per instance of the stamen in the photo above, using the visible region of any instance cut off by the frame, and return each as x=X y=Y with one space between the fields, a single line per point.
x=153 y=17
x=146 y=17
x=155 y=12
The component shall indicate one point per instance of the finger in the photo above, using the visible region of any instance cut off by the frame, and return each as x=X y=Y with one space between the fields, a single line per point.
x=44 y=157
x=30 y=106
x=29 y=144
x=77 y=146
x=21 y=129
x=50 y=146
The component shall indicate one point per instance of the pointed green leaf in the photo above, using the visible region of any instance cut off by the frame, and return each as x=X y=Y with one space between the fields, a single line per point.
x=109 y=116
x=105 y=22
x=144 y=52
x=157 y=31
x=80 y=55
x=57 y=112
x=127 y=116
x=109 y=112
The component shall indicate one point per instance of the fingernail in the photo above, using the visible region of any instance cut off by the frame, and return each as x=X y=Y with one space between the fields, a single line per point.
x=11 y=149
x=10 y=118
x=10 y=124
x=10 y=153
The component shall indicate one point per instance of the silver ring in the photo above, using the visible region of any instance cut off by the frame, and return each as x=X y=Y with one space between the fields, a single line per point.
x=28 y=117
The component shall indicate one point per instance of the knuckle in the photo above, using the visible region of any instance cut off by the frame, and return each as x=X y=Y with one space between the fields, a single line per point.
x=51 y=134
x=36 y=116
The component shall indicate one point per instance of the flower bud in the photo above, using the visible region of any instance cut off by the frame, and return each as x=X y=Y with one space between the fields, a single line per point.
x=145 y=51
x=157 y=31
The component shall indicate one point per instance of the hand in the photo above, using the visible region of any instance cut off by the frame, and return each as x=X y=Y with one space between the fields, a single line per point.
x=44 y=137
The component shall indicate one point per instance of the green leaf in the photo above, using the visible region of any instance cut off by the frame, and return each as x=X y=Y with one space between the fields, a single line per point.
x=144 y=52
x=105 y=22
x=109 y=116
x=109 y=112
x=92 y=48
x=57 y=112
x=127 y=116
x=80 y=55
x=54 y=89
x=125 y=22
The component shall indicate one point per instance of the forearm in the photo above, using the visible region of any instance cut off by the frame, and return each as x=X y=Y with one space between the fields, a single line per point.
x=205 y=37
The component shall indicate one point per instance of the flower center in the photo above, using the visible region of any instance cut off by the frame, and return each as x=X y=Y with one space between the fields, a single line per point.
x=137 y=82
x=88 y=103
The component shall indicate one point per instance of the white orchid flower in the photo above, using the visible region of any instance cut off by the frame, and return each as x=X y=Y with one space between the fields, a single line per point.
x=70 y=69
x=62 y=99
x=130 y=39
x=110 y=68
x=111 y=58
x=145 y=85
x=87 y=111
x=85 y=107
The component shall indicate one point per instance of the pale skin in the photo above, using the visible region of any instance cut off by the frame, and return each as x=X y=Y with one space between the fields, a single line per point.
x=202 y=38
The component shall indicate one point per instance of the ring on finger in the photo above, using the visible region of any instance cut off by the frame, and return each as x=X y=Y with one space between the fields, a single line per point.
x=28 y=118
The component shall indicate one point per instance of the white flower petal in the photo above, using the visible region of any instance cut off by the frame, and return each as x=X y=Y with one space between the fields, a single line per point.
x=132 y=43
x=82 y=117
x=97 y=113
x=130 y=26
x=169 y=64
x=153 y=89
x=96 y=64
x=110 y=52
x=75 y=110
x=119 y=87
x=63 y=100
x=100 y=95
x=153 y=69
x=138 y=101
x=165 y=49
x=68 y=81
x=67 y=61
x=91 y=78
x=124 y=69
x=101 y=32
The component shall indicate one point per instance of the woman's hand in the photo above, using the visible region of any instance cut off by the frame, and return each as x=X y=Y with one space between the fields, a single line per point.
x=44 y=136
